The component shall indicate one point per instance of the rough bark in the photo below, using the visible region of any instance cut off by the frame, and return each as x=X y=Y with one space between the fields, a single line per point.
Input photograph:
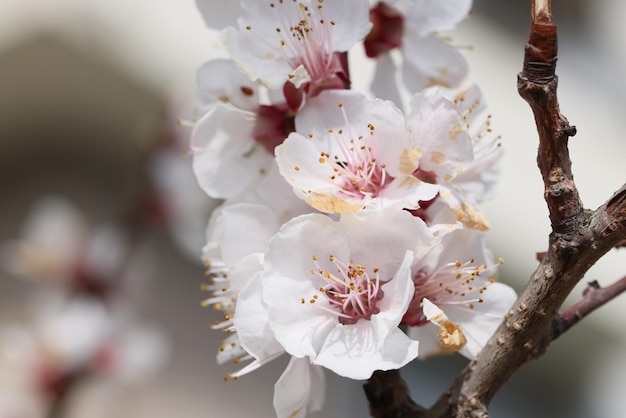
x=579 y=238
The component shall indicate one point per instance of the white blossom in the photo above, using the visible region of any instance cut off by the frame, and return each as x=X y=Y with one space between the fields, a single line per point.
x=297 y=42
x=57 y=245
x=219 y=80
x=467 y=179
x=415 y=27
x=233 y=141
x=335 y=292
x=455 y=289
x=237 y=240
x=226 y=159
x=53 y=236
x=358 y=153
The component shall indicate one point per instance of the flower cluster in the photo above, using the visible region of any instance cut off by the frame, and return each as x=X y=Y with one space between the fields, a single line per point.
x=83 y=323
x=350 y=237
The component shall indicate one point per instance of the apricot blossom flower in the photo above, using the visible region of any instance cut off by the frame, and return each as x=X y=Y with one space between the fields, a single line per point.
x=237 y=239
x=359 y=153
x=415 y=28
x=297 y=42
x=339 y=296
x=455 y=289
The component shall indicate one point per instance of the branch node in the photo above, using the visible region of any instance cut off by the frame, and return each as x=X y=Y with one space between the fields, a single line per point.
x=540 y=54
x=569 y=130
x=591 y=285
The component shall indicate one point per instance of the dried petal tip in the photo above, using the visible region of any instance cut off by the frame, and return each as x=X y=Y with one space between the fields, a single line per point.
x=451 y=336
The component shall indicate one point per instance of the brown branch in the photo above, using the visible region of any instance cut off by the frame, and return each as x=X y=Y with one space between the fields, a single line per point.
x=594 y=296
x=578 y=239
x=389 y=397
x=537 y=84
x=540 y=255
x=541 y=11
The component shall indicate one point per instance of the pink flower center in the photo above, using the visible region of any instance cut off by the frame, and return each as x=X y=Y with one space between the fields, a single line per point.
x=306 y=39
x=356 y=170
x=421 y=212
x=273 y=124
x=351 y=291
x=452 y=284
x=387 y=30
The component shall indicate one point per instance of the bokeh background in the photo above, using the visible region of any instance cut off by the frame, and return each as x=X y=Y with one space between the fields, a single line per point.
x=87 y=85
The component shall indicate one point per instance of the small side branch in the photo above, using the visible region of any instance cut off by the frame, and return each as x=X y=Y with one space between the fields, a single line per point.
x=594 y=296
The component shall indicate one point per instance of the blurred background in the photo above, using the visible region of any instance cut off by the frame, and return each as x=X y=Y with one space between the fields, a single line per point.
x=90 y=92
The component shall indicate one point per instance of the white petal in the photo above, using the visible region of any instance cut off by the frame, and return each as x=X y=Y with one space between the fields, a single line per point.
x=213 y=235
x=352 y=23
x=219 y=14
x=300 y=388
x=384 y=83
x=478 y=180
x=322 y=112
x=432 y=312
x=398 y=292
x=241 y=273
x=463 y=244
x=221 y=80
x=464 y=208
x=383 y=237
x=428 y=340
x=226 y=160
x=274 y=191
x=298 y=162
x=428 y=61
x=479 y=324
x=246 y=229
x=252 y=322
x=470 y=98
x=405 y=193
x=301 y=327
x=441 y=134
x=353 y=351
x=427 y=16
x=257 y=52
